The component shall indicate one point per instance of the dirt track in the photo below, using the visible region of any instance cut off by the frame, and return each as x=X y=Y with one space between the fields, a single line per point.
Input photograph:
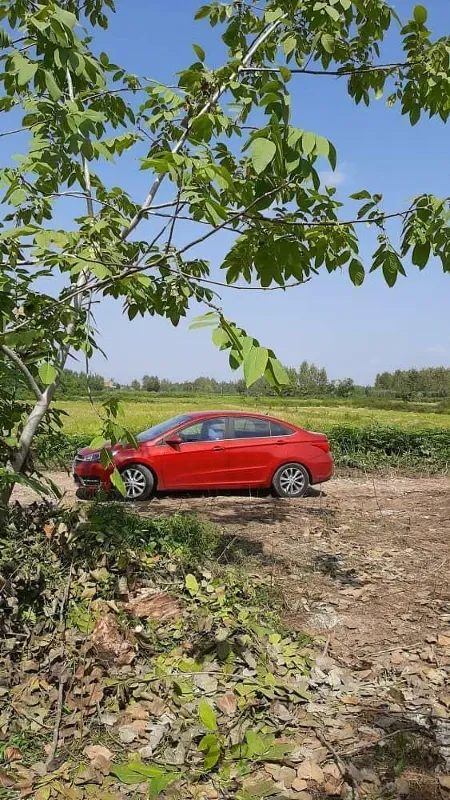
x=365 y=562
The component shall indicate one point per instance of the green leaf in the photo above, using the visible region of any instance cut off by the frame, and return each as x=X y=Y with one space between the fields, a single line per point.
x=421 y=254
x=202 y=12
x=391 y=267
x=257 y=744
x=364 y=195
x=191 y=584
x=332 y=155
x=199 y=51
x=212 y=756
x=276 y=373
x=308 y=142
x=97 y=443
x=117 y=481
x=47 y=373
x=26 y=72
x=204 y=321
x=273 y=14
x=289 y=45
x=220 y=338
x=161 y=782
x=285 y=73
x=255 y=363
x=68 y=19
x=322 y=146
x=53 y=88
x=263 y=152
x=328 y=42
x=420 y=15
x=333 y=13
x=207 y=715
x=135 y=772
x=356 y=272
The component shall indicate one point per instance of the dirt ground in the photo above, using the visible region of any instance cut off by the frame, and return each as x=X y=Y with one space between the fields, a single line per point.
x=365 y=562
x=362 y=564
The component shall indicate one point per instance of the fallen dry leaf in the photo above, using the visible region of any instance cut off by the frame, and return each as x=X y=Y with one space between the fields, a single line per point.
x=444 y=781
x=100 y=757
x=12 y=753
x=5 y=781
x=332 y=787
x=299 y=784
x=443 y=640
x=148 y=604
x=136 y=711
x=310 y=772
x=287 y=776
x=227 y=704
x=111 y=642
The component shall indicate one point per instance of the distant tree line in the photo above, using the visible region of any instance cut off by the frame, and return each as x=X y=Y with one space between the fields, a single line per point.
x=309 y=380
x=431 y=382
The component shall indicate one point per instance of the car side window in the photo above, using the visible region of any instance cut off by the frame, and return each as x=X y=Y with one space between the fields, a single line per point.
x=204 y=431
x=250 y=428
x=277 y=429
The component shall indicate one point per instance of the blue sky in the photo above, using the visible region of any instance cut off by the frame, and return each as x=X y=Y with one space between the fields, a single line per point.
x=351 y=331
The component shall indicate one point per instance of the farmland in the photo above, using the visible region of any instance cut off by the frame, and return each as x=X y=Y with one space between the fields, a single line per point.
x=83 y=418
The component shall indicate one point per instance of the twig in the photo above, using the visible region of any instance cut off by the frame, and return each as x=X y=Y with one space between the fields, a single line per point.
x=21 y=713
x=368 y=745
x=13 y=356
x=335 y=73
x=65 y=597
x=346 y=773
x=59 y=708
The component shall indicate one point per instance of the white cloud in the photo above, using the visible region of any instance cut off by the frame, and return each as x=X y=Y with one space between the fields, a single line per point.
x=329 y=178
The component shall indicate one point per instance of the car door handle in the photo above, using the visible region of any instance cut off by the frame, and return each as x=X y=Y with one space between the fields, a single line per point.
x=218 y=448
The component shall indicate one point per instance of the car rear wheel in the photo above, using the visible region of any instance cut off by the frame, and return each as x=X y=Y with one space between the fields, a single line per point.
x=291 y=480
x=139 y=482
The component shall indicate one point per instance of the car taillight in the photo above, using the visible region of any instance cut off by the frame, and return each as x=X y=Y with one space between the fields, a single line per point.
x=324 y=445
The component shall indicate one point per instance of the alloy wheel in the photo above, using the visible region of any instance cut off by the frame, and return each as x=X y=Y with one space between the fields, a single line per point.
x=135 y=482
x=292 y=481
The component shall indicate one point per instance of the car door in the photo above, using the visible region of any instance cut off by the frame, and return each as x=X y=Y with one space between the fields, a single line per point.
x=251 y=452
x=200 y=461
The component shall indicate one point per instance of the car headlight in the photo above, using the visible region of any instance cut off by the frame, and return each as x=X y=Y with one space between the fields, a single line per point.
x=115 y=452
x=92 y=457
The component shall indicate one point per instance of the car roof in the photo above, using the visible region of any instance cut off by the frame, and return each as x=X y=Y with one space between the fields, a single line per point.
x=222 y=413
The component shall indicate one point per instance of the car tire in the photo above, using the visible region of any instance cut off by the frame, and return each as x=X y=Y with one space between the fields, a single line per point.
x=139 y=482
x=291 y=481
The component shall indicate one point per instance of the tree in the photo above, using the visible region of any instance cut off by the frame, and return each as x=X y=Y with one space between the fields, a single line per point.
x=135 y=385
x=228 y=170
x=150 y=383
x=344 y=388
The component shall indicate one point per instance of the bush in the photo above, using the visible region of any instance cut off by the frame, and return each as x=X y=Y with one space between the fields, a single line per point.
x=42 y=543
x=378 y=447
x=110 y=526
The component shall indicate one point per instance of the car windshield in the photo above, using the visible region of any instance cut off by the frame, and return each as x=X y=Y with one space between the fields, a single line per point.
x=162 y=428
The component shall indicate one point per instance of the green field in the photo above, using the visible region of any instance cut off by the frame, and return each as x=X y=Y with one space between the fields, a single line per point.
x=83 y=417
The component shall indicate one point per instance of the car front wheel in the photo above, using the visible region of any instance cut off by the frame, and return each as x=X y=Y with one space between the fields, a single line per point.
x=139 y=482
x=291 y=480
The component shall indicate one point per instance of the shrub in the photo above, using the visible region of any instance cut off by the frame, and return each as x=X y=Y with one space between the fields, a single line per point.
x=111 y=526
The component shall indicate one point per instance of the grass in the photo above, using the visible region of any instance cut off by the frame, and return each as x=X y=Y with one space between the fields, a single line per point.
x=83 y=418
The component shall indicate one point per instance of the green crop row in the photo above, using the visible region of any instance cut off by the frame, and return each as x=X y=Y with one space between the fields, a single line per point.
x=371 y=448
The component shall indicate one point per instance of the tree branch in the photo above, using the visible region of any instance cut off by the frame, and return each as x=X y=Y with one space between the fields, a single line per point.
x=268 y=30
x=335 y=73
x=12 y=355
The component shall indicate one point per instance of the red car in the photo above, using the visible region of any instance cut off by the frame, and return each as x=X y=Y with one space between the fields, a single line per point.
x=214 y=450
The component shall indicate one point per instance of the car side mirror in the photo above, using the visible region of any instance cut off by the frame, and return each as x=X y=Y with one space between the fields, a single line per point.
x=173 y=440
